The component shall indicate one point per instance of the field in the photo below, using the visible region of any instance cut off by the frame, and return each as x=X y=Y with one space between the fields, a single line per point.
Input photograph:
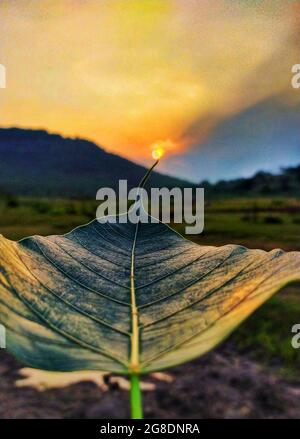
x=262 y=343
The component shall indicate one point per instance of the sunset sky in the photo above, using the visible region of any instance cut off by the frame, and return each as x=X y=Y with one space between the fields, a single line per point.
x=128 y=74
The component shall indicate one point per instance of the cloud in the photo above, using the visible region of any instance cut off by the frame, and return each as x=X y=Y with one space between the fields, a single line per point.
x=129 y=75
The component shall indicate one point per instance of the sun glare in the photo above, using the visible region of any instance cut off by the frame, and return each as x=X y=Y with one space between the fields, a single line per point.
x=160 y=147
x=158 y=153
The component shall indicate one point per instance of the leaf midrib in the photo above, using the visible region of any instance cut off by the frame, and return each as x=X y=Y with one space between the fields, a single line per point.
x=134 y=364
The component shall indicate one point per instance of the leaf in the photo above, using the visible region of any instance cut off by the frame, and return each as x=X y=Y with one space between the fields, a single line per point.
x=129 y=298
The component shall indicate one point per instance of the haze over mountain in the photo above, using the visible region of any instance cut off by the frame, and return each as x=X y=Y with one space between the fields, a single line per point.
x=263 y=137
x=34 y=162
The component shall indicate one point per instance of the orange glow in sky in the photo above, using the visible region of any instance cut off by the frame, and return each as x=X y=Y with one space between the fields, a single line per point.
x=160 y=147
x=126 y=74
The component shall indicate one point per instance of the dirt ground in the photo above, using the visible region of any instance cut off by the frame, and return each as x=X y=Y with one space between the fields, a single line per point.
x=222 y=384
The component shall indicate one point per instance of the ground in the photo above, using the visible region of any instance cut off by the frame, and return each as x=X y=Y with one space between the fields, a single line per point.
x=255 y=374
x=221 y=384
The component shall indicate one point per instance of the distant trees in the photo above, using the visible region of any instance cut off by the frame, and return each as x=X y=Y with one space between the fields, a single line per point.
x=262 y=183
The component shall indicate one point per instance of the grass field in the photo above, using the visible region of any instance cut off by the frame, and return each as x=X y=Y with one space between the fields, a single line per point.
x=256 y=223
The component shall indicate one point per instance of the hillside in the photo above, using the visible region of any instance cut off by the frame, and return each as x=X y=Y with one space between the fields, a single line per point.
x=36 y=163
x=287 y=183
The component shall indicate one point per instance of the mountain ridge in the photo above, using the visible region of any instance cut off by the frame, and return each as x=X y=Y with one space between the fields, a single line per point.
x=39 y=163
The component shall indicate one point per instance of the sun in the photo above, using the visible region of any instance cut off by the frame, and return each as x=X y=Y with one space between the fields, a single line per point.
x=157 y=153
x=160 y=147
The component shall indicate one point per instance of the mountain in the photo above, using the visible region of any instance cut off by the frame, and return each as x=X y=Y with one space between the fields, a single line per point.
x=264 y=137
x=36 y=163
